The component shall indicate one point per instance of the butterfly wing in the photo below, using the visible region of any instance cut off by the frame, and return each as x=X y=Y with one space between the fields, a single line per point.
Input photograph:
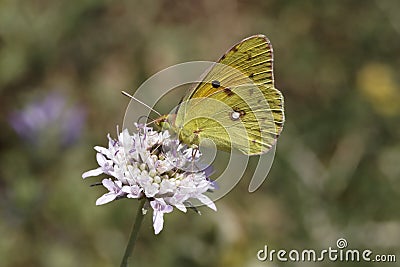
x=236 y=104
x=252 y=59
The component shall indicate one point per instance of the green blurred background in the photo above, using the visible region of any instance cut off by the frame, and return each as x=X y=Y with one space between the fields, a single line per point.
x=336 y=172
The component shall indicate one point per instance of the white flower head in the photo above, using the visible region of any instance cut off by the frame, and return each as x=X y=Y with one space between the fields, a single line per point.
x=152 y=165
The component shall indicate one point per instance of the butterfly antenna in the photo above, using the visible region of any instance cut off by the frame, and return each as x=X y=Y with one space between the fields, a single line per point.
x=147 y=117
x=144 y=104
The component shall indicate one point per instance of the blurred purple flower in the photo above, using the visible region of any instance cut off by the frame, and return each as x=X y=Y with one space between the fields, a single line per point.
x=72 y=124
x=49 y=114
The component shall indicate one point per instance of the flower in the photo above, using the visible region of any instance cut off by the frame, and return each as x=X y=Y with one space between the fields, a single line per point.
x=160 y=207
x=152 y=165
x=115 y=189
x=49 y=118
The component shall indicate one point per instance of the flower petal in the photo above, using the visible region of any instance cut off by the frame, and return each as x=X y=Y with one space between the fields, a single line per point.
x=206 y=201
x=101 y=160
x=109 y=184
x=133 y=191
x=166 y=186
x=106 y=198
x=158 y=221
x=151 y=190
x=94 y=172
x=101 y=150
x=159 y=208
x=181 y=207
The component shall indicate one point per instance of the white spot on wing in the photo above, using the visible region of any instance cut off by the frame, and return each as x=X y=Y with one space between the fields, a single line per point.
x=235 y=115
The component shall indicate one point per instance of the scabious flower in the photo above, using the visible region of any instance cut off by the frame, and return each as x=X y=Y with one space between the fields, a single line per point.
x=152 y=165
x=49 y=115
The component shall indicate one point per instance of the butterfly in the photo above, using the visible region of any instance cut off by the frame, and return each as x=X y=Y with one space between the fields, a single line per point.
x=236 y=104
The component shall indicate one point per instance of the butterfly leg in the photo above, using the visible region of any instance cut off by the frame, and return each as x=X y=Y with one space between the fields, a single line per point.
x=195 y=167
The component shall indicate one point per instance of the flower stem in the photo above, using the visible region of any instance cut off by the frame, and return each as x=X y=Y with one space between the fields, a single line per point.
x=134 y=234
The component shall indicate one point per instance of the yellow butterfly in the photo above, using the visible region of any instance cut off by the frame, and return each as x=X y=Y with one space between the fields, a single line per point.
x=236 y=105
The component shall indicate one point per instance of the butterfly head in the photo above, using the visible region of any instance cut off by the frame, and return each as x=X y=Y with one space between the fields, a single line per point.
x=166 y=122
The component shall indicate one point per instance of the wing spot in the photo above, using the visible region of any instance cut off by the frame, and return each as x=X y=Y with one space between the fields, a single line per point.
x=235 y=115
x=228 y=91
x=241 y=112
x=215 y=84
x=251 y=75
x=197 y=131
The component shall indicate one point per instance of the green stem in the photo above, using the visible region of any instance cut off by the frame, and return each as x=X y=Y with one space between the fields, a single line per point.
x=134 y=234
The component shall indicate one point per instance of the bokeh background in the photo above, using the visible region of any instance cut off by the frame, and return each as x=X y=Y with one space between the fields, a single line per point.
x=336 y=172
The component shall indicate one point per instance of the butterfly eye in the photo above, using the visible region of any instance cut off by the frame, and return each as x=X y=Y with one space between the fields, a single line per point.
x=215 y=84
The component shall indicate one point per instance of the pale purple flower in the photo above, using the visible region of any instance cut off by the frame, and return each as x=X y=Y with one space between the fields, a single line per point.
x=138 y=170
x=48 y=116
x=71 y=124
x=159 y=208
x=115 y=190
x=106 y=166
x=132 y=191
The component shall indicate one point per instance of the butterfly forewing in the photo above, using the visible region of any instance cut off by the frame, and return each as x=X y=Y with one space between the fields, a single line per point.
x=252 y=57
